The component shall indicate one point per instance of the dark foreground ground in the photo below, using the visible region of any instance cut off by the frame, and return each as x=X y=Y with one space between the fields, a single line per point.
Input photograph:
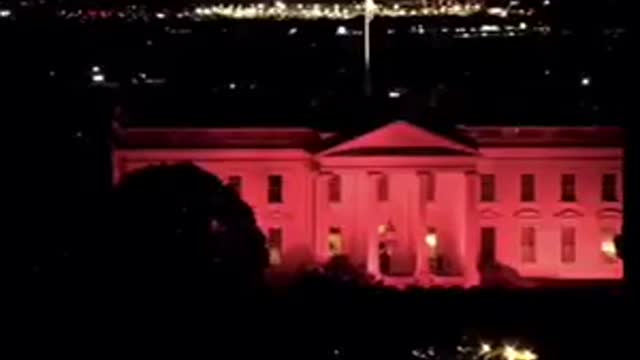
x=316 y=319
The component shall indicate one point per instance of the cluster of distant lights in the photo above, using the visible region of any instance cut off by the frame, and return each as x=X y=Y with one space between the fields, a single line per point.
x=281 y=10
x=484 y=351
x=295 y=11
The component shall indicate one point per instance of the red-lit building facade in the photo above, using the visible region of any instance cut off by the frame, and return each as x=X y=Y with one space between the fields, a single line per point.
x=407 y=203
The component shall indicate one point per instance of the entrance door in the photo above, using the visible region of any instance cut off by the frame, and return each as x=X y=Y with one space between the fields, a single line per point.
x=488 y=245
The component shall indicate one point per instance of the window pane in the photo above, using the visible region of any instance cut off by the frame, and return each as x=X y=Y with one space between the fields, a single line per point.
x=274 y=245
x=488 y=245
x=235 y=182
x=335 y=241
x=528 y=244
x=383 y=188
x=527 y=187
x=487 y=187
x=335 y=189
x=568 y=240
x=275 y=189
x=609 y=187
x=568 y=187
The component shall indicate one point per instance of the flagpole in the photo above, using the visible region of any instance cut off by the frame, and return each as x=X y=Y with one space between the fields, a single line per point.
x=369 y=12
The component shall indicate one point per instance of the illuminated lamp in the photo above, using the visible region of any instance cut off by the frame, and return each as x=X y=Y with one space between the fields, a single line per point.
x=431 y=239
x=608 y=247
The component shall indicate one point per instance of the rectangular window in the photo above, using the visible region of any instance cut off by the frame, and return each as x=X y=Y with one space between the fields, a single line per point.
x=568 y=240
x=430 y=185
x=568 y=184
x=235 y=183
x=488 y=245
x=528 y=244
x=487 y=187
x=335 y=189
x=609 y=187
x=274 y=245
x=335 y=241
x=275 y=189
x=383 y=188
x=527 y=188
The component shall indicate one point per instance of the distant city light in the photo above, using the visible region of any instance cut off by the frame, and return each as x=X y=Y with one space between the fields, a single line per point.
x=485 y=348
x=489 y=28
x=509 y=353
x=5 y=13
x=161 y=15
x=497 y=11
x=585 y=81
x=394 y=94
x=523 y=26
x=341 y=30
x=52 y=73
x=97 y=78
x=547 y=72
x=546 y=2
x=293 y=31
x=95 y=69
x=232 y=86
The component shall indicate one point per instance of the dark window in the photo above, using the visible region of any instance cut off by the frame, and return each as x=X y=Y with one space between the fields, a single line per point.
x=335 y=189
x=568 y=187
x=275 y=189
x=527 y=187
x=274 y=245
x=488 y=245
x=609 y=187
x=487 y=187
x=235 y=183
x=430 y=187
x=568 y=239
x=383 y=188
x=528 y=244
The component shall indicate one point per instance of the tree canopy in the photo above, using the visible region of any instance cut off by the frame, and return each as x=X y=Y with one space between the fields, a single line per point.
x=180 y=223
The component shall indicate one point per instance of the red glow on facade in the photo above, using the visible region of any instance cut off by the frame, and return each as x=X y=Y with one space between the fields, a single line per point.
x=423 y=208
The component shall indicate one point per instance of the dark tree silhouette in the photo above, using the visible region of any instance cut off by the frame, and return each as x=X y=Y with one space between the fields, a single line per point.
x=179 y=225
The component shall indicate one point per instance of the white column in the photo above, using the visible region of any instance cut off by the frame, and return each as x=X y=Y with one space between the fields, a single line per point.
x=373 y=266
x=322 y=216
x=422 y=252
x=471 y=247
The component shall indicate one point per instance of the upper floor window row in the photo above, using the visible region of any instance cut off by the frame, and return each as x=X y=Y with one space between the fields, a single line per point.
x=275 y=186
x=568 y=188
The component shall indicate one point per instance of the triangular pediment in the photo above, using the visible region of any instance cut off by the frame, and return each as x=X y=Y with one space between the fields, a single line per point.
x=400 y=138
